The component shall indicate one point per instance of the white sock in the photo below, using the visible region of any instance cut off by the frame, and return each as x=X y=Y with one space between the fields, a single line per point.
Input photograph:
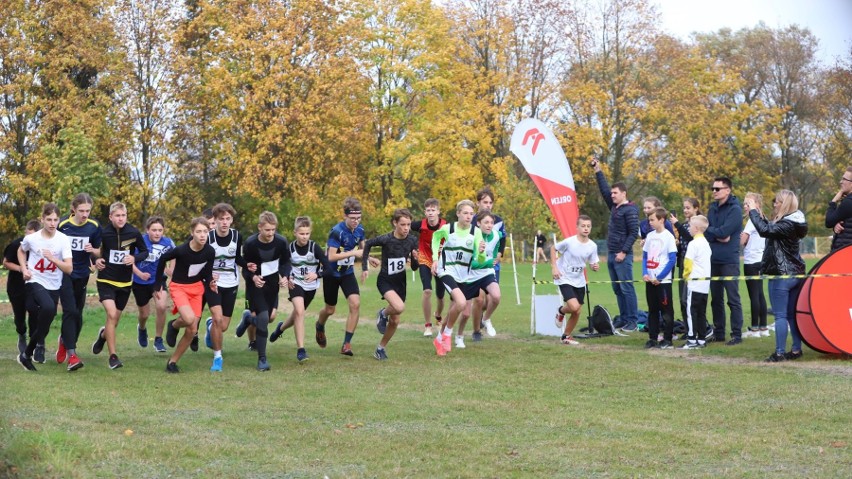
x=459 y=337
x=217 y=354
x=448 y=331
x=486 y=321
x=380 y=347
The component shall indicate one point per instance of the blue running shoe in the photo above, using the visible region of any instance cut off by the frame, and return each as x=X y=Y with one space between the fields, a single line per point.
x=159 y=346
x=262 y=365
x=208 y=340
x=245 y=322
x=380 y=354
x=301 y=355
x=381 y=321
x=142 y=337
x=217 y=365
x=277 y=333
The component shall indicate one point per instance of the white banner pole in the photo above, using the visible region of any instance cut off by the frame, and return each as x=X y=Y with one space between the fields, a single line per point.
x=515 y=269
x=532 y=301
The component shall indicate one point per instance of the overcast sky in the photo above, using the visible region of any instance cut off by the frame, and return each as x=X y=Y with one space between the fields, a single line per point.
x=829 y=20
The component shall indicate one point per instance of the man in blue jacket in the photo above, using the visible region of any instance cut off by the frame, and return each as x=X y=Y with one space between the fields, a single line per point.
x=623 y=230
x=726 y=224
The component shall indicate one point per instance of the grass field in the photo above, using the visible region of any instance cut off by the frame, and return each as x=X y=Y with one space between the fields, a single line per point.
x=513 y=406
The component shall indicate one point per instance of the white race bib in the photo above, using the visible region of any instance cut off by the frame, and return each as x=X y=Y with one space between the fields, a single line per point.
x=269 y=267
x=346 y=262
x=396 y=265
x=78 y=243
x=116 y=256
x=194 y=269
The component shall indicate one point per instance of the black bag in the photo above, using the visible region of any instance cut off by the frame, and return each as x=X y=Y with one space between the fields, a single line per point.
x=600 y=322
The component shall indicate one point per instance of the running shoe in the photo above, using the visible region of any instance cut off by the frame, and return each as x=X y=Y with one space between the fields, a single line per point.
x=775 y=358
x=171 y=334
x=427 y=330
x=346 y=350
x=61 y=352
x=208 y=339
x=217 y=365
x=489 y=328
x=764 y=333
x=381 y=321
x=460 y=342
x=301 y=356
x=793 y=355
x=380 y=354
x=141 y=337
x=159 y=346
x=194 y=344
x=690 y=344
x=277 y=333
x=569 y=341
x=439 y=345
x=26 y=362
x=666 y=344
x=558 y=320
x=651 y=344
x=114 y=362
x=172 y=368
x=447 y=342
x=22 y=343
x=252 y=346
x=38 y=354
x=734 y=341
x=476 y=336
x=245 y=322
x=262 y=365
x=74 y=363
x=98 y=345
x=321 y=340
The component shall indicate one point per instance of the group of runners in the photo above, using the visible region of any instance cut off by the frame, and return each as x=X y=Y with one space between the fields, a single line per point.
x=52 y=263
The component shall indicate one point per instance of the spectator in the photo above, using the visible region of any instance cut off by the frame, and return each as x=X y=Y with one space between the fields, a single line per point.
x=839 y=214
x=540 y=240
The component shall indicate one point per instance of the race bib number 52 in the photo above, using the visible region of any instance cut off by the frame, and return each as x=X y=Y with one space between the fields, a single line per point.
x=117 y=256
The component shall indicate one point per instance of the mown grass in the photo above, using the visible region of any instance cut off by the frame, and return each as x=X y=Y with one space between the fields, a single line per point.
x=513 y=406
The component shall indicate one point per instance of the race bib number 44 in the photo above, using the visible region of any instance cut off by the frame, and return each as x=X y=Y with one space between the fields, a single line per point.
x=117 y=256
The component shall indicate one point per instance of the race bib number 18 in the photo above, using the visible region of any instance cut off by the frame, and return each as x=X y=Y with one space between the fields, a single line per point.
x=396 y=265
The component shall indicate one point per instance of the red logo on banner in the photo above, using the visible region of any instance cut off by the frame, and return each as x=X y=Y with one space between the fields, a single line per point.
x=535 y=135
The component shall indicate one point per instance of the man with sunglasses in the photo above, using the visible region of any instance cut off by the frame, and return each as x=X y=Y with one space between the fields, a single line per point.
x=725 y=216
x=839 y=214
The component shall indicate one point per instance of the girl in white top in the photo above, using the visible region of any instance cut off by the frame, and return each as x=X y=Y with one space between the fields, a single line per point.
x=49 y=257
x=753 y=246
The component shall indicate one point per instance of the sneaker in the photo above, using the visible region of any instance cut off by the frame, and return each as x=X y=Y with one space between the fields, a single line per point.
x=770 y=327
x=141 y=337
x=764 y=333
x=262 y=365
x=775 y=358
x=793 y=355
x=460 y=342
x=38 y=354
x=114 y=362
x=217 y=365
x=568 y=340
x=172 y=368
x=194 y=344
x=301 y=356
x=98 y=345
x=208 y=338
x=252 y=346
x=666 y=344
x=22 y=343
x=427 y=330
x=439 y=345
x=74 y=363
x=346 y=350
x=751 y=334
x=447 y=342
x=380 y=354
x=629 y=327
x=489 y=328
x=320 y=336
x=651 y=344
x=381 y=321
x=438 y=320
x=734 y=341
x=476 y=336
x=171 y=333
x=61 y=352
x=690 y=345
x=159 y=346
x=245 y=322
x=277 y=333
x=26 y=362
x=559 y=320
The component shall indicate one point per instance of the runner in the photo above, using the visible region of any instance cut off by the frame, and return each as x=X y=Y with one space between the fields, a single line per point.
x=451 y=264
x=50 y=256
x=15 y=286
x=85 y=236
x=305 y=259
x=426 y=228
x=269 y=255
x=569 y=274
x=397 y=247
x=485 y=200
x=482 y=279
x=192 y=268
x=144 y=282
x=345 y=243
x=115 y=270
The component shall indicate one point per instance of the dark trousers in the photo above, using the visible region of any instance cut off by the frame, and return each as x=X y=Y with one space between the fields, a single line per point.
x=682 y=294
x=756 y=296
x=660 y=303
x=262 y=301
x=41 y=305
x=18 y=299
x=72 y=295
x=696 y=322
x=718 y=290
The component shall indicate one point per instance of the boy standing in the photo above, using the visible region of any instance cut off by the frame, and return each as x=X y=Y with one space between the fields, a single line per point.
x=697 y=265
x=659 y=255
x=426 y=228
x=569 y=274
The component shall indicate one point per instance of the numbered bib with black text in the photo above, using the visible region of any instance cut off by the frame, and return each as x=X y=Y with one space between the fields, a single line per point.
x=346 y=262
x=396 y=265
x=78 y=243
x=117 y=256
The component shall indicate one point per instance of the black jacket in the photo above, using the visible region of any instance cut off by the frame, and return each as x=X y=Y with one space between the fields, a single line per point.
x=840 y=213
x=623 y=221
x=783 y=237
